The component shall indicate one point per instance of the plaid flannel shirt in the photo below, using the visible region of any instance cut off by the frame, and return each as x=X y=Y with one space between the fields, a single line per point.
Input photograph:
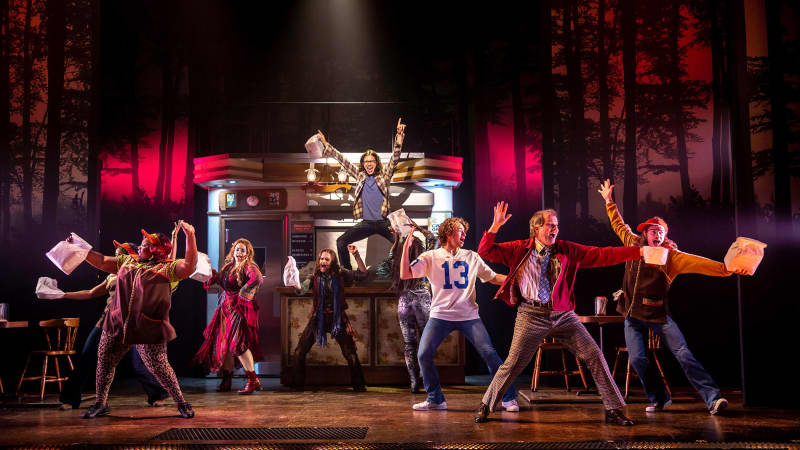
x=382 y=180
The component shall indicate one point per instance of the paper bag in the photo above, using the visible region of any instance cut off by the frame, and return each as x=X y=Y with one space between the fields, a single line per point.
x=202 y=271
x=745 y=253
x=400 y=222
x=67 y=256
x=47 y=288
x=314 y=147
x=291 y=276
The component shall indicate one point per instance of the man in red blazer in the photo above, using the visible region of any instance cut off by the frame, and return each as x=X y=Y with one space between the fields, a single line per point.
x=541 y=278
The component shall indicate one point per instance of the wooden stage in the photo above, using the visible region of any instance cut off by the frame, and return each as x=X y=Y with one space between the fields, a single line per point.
x=556 y=419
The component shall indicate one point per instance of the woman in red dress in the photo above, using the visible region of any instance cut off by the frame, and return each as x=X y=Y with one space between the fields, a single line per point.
x=233 y=331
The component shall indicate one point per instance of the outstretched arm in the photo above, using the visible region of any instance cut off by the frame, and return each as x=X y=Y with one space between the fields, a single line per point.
x=331 y=152
x=87 y=294
x=185 y=267
x=617 y=224
x=405 y=264
x=498 y=279
x=102 y=262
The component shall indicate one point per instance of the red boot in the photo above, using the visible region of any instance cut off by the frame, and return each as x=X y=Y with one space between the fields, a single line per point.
x=253 y=383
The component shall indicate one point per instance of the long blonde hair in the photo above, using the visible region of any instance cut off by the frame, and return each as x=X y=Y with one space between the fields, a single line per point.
x=238 y=269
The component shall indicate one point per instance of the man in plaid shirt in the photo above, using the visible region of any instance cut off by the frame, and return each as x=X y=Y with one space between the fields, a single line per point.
x=371 y=193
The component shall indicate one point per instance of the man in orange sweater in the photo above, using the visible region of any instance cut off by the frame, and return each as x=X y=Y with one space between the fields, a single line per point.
x=645 y=306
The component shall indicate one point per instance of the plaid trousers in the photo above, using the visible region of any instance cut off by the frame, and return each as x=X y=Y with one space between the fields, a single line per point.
x=531 y=327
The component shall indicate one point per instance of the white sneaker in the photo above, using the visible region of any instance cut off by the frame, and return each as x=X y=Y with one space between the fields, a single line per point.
x=511 y=406
x=655 y=407
x=719 y=405
x=428 y=406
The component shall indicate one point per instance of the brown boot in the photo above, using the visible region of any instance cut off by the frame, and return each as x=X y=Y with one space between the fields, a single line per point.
x=225 y=384
x=253 y=384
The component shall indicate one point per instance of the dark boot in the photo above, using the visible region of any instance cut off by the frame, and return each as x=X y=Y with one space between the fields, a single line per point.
x=96 y=410
x=253 y=384
x=616 y=417
x=186 y=410
x=482 y=414
x=225 y=384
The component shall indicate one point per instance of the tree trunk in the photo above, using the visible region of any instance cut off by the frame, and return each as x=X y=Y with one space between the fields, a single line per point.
x=548 y=196
x=520 y=167
x=136 y=189
x=716 y=92
x=5 y=132
x=93 y=169
x=166 y=114
x=28 y=160
x=780 y=131
x=631 y=196
x=56 y=37
x=573 y=176
x=603 y=95
x=676 y=89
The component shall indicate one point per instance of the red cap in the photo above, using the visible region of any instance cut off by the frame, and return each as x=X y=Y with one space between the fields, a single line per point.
x=653 y=221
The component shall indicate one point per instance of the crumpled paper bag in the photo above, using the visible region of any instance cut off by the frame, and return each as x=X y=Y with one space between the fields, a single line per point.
x=202 y=271
x=47 y=288
x=67 y=256
x=314 y=147
x=400 y=222
x=291 y=276
x=744 y=253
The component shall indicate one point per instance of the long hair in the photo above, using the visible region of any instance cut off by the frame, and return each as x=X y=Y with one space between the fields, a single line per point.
x=414 y=251
x=378 y=165
x=333 y=269
x=448 y=226
x=238 y=269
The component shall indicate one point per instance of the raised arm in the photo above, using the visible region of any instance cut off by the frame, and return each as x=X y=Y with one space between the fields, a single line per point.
x=185 y=267
x=102 y=262
x=488 y=249
x=396 y=148
x=331 y=152
x=360 y=262
x=174 y=241
x=405 y=264
x=87 y=294
x=619 y=226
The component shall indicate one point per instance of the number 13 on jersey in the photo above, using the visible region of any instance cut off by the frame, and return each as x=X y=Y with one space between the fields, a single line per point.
x=463 y=275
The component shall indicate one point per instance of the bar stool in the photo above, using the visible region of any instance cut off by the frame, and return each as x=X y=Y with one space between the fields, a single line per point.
x=552 y=344
x=653 y=345
x=60 y=336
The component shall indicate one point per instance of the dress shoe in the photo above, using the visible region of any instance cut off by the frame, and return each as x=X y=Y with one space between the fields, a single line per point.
x=482 y=414
x=96 y=410
x=361 y=388
x=719 y=404
x=186 y=410
x=616 y=417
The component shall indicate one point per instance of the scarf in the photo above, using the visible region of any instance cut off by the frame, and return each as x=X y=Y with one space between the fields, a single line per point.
x=336 y=286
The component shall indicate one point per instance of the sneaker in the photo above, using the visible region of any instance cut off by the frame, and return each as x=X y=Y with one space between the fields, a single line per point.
x=719 y=405
x=655 y=407
x=511 y=406
x=428 y=406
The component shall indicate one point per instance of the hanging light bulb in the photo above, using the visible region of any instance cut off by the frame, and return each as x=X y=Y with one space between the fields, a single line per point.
x=311 y=173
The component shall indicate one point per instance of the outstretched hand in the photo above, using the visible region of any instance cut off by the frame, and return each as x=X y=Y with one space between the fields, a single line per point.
x=606 y=190
x=187 y=228
x=500 y=216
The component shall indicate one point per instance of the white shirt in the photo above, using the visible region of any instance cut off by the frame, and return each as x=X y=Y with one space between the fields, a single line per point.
x=452 y=281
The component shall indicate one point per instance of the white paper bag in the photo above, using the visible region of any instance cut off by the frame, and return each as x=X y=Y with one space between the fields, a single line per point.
x=47 y=288
x=291 y=276
x=202 y=271
x=314 y=147
x=67 y=256
x=400 y=222
x=655 y=255
x=745 y=253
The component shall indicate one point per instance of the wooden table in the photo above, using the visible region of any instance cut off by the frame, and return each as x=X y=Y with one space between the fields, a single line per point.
x=601 y=320
x=7 y=324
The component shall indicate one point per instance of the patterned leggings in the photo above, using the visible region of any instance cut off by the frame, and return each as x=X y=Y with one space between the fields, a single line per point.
x=413 y=309
x=154 y=356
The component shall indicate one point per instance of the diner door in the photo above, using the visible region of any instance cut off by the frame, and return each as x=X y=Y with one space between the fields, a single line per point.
x=268 y=242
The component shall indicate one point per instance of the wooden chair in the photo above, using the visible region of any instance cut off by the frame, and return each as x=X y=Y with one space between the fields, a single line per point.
x=60 y=336
x=653 y=345
x=553 y=344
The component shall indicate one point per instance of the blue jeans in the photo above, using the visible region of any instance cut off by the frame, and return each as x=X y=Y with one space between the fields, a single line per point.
x=436 y=330
x=671 y=336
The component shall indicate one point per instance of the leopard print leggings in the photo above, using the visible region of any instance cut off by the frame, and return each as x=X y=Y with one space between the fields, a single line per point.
x=154 y=356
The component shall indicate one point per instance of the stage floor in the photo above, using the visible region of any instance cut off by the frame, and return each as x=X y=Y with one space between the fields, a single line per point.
x=555 y=417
